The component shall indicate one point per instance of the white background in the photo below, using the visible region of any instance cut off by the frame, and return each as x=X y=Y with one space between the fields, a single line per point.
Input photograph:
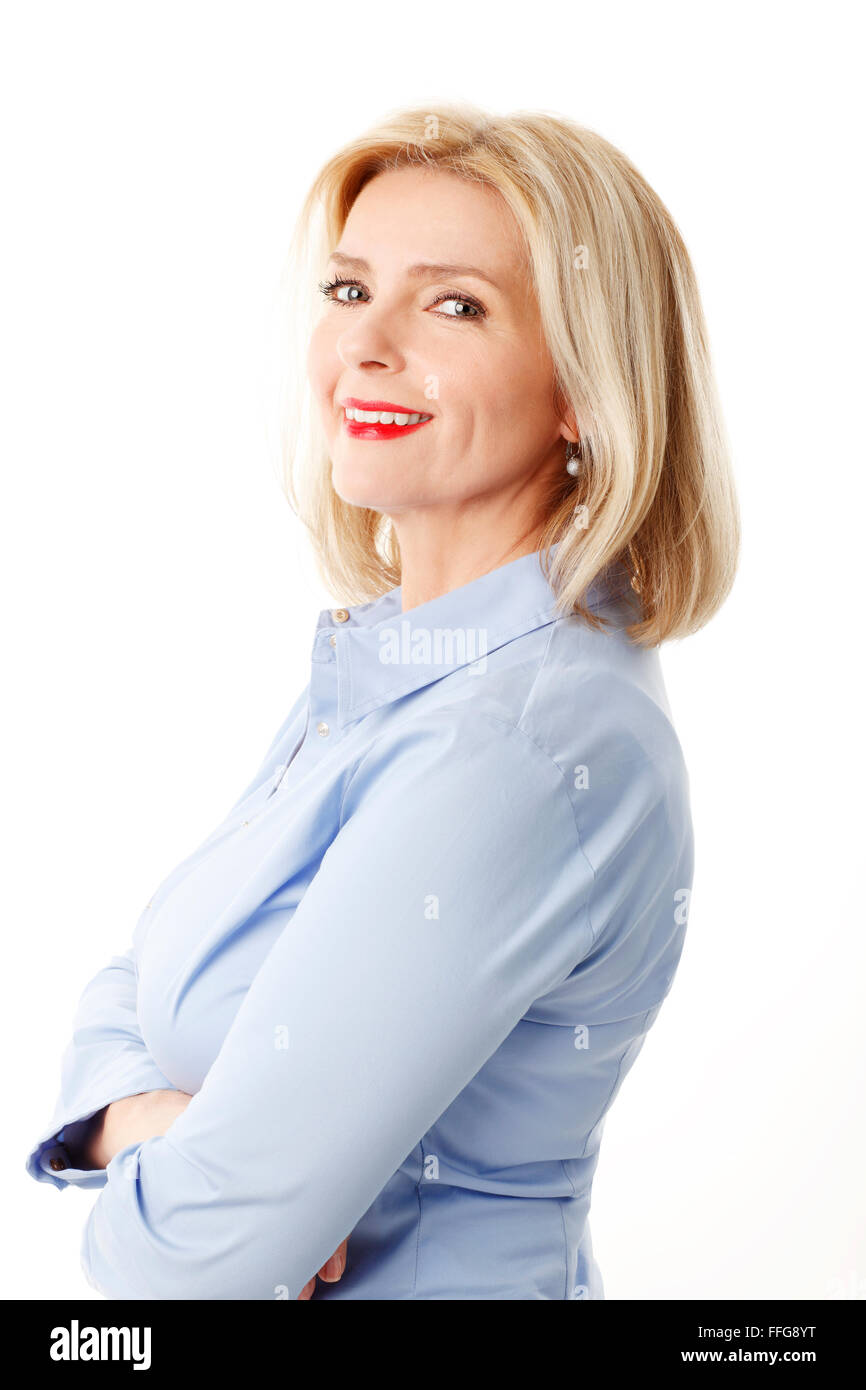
x=160 y=599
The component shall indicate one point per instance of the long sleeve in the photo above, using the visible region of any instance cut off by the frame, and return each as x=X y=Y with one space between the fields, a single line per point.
x=456 y=892
x=106 y=1058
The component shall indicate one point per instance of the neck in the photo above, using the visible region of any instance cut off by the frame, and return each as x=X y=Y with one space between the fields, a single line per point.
x=438 y=554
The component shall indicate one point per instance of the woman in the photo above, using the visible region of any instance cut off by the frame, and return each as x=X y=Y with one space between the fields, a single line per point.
x=393 y=994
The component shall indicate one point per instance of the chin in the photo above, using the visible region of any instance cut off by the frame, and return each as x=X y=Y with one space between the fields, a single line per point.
x=366 y=487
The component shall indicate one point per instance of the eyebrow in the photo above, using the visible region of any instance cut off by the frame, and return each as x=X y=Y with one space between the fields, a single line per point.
x=429 y=270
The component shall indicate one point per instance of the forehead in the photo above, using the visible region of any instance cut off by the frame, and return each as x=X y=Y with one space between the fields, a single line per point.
x=408 y=215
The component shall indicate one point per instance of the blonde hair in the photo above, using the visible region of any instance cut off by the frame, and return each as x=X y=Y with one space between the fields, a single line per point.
x=623 y=320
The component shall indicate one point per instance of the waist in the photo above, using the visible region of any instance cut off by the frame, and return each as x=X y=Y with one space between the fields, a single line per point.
x=435 y=1241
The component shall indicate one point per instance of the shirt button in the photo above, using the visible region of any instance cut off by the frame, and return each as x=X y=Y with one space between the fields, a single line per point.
x=322 y=729
x=340 y=615
x=58 y=1164
x=332 y=640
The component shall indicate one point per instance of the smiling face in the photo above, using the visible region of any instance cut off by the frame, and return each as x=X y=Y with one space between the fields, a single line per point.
x=431 y=308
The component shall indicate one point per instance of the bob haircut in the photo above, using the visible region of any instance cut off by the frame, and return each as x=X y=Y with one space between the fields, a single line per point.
x=623 y=320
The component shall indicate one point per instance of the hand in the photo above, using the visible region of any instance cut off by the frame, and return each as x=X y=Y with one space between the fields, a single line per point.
x=132 y=1120
x=331 y=1270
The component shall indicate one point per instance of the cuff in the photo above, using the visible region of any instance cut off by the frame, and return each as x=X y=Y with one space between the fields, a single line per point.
x=52 y=1158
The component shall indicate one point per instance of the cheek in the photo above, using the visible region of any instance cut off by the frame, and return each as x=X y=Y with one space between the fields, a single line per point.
x=323 y=364
x=464 y=389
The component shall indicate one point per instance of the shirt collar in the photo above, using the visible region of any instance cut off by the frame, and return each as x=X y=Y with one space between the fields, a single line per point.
x=383 y=653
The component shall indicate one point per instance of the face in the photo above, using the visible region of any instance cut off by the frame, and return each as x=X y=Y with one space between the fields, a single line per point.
x=462 y=346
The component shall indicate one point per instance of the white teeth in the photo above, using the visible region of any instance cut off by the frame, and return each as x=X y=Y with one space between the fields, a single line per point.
x=383 y=417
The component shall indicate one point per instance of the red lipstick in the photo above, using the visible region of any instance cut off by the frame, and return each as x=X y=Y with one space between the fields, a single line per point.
x=362 y=429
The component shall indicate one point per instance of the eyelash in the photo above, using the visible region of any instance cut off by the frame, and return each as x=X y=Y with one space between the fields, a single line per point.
x=328 y=286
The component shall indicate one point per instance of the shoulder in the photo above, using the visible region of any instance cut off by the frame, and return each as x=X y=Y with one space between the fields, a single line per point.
x=466 y=753
x=599 y=695
x=546 y=720
x=564 y=694
x=570 y=779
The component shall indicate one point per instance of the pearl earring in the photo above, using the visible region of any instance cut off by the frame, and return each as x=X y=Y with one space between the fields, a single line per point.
x=573 y=456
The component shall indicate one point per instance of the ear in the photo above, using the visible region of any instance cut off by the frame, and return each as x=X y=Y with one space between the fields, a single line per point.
x=568 y=424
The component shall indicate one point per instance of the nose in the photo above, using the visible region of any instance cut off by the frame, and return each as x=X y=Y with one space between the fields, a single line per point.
x=368 y=342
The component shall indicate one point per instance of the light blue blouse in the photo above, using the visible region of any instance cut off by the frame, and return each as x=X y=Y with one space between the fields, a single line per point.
x=406 y=975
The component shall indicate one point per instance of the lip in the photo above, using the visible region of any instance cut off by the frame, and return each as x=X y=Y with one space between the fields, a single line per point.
x=360 y=429
x=354 y=403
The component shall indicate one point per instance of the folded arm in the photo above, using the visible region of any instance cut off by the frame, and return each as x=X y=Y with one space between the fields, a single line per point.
x=455 y=893
x=106 y=1059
